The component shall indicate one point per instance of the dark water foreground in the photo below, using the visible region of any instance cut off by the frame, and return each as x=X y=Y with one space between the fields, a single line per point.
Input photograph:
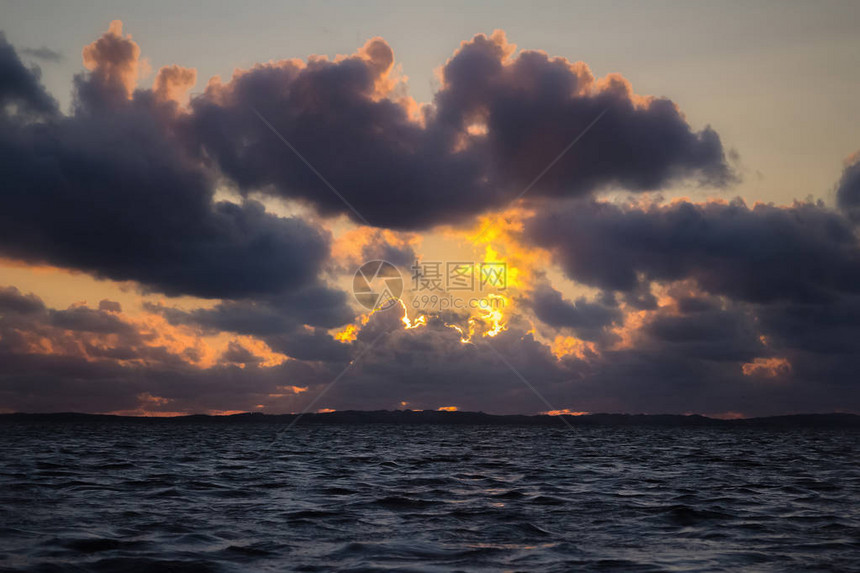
x=96 y=496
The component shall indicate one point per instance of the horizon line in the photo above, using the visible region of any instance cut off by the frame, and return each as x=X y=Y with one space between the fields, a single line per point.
x=437 y=412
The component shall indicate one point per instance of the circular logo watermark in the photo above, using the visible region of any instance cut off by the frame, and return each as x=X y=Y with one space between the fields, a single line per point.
x=377 y=285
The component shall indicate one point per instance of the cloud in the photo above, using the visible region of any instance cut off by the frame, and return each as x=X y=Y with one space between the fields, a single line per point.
x=354 y=248
x=43 y=53
x=317 y=306
x=128 y=179
x=149 y=216
x=114 y=63
x=848 y=190
x=100 y=360
x=715 y=334
x=407 y=173
x=20 y=86
x=763 y=253
x=173 y=82
x=709 y=307
x=823 y=329
x=238 y=354
x=83 y=319
x=429 y=366
x=767 y=367
x=294 y=324
x=587 y=319
x=687 y=357
x=13 y=301
x=29 y=327
x=533 y=105
x=711 y=361
x=110 y=306
x=394 y=171
x=740 y=295
x=111 y=190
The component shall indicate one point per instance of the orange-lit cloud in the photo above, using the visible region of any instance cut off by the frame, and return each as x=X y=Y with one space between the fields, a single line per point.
x=247 y=350
x=288 y=391
x=767 y=367
x=358 y=246
x=149 y=406
x=571 y=346
x=690 y=291
x=115 y=58
x=173 y=82
x=148 y=398
x=107 y=333
x=564 y=412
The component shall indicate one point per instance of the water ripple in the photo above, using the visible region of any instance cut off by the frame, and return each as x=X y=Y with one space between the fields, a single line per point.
x=88 y=496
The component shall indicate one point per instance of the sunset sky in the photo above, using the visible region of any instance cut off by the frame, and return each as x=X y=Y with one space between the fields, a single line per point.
x=672 y=190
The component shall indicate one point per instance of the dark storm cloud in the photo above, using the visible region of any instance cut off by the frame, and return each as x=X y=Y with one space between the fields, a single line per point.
x=694 y=353
x=684 y=360
x=25 y=322
x=238 y=354
x=587 y=319
x=312 y=345
x=826 y=328
x=316 y=306
x=40 y=383
x=20 y=85
x=764 y=253
x=110 y=190
x=705 y=373
x=124 y=188
x=118 y=189
x=90 y=320
x=45 y=383
x=84 y=359
x=278 y=321
x=395 y=173
x=716 y=334
x=777 y=334
x=635 y=380
x=534 y=105
x=430 y=367
x=848 y=190
x=681 y=363
x=400 y=174
x=112 y=197
x=379 y=247
x=13 y=300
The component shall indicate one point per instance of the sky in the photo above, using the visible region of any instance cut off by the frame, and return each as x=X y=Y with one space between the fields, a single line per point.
x=602 y=207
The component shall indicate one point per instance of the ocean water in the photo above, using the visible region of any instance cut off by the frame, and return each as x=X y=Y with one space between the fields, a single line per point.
x=158 y=496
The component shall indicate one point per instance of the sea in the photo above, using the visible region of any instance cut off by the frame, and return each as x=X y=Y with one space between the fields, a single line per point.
x=198 y=496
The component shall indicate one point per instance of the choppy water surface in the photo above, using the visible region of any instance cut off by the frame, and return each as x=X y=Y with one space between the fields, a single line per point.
x=194 y=497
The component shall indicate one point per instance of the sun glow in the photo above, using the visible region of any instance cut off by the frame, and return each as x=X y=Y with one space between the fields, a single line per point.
x=348 y=334
x=493 y=316
x=421 y=320
x=564 y=412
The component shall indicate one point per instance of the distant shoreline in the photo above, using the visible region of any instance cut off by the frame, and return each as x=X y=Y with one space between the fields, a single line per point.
x=433 y=417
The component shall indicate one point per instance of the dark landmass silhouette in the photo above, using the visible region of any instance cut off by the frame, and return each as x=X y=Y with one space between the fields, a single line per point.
x=434 y=417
